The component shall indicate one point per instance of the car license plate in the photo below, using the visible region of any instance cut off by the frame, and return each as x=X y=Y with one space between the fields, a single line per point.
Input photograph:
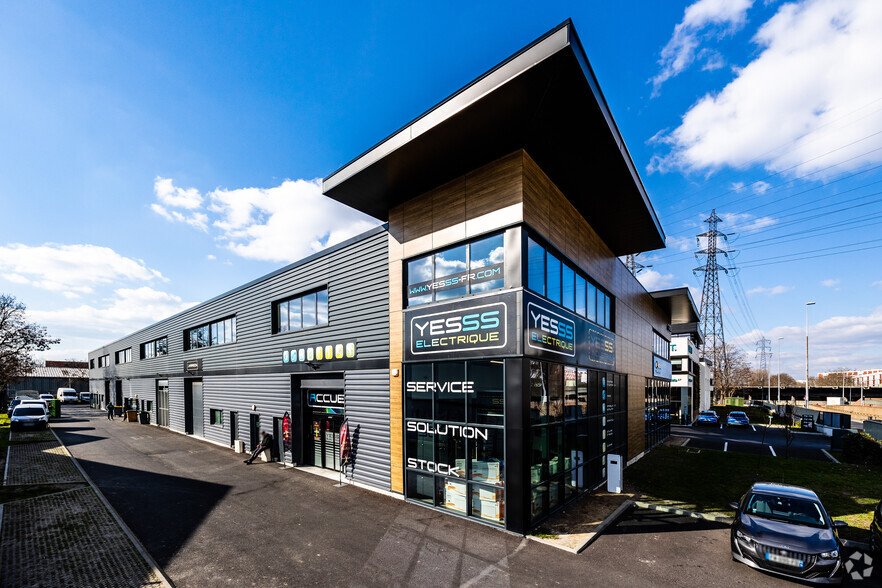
x=782 y=559
x=27 y=424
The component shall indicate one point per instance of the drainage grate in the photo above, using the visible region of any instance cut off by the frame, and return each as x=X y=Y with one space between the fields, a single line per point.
x=691 y=450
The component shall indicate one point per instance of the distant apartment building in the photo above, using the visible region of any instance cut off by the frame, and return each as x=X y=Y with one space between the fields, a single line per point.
x=867 y=378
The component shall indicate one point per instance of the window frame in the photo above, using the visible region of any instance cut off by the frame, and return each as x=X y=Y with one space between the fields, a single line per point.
x=215 y=417
x=317 y=294
x=203 y=334
x=471 y=288
x=153 y=345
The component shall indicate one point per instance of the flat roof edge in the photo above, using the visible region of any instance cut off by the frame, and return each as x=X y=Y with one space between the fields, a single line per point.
x=336 y=247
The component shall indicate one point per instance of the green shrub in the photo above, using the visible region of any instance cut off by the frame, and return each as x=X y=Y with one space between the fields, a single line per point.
x=860 y=448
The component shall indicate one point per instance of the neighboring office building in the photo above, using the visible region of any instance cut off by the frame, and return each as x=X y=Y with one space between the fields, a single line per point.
x=54 y=375
x=869 y=378
x=690 y=378
x=486 y=345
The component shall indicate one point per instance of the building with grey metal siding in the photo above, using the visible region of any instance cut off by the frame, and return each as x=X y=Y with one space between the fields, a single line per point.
x=259 y=374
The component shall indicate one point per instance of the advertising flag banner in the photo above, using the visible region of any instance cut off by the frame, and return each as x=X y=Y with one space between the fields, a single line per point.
x=286 y=431
x=345 y=443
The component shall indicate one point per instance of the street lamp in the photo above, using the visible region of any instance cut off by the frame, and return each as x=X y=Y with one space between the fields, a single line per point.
x=807 y=304
x=779 y=369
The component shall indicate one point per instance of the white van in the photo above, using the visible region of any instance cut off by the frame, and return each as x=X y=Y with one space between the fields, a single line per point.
x=67 y=395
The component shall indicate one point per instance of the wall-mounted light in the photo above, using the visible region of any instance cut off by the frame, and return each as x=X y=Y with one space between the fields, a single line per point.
x=395 y=372
x=253 y=407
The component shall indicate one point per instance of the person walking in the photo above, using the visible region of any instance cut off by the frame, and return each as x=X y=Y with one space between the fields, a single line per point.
x=265 y=443
x=109 y=411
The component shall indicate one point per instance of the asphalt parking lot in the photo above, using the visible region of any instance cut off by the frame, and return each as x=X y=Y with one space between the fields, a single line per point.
x=756 y=439
x=209 y=520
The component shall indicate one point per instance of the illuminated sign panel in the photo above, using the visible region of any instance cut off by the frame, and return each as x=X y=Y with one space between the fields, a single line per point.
x=470 y=328
x=554 y=333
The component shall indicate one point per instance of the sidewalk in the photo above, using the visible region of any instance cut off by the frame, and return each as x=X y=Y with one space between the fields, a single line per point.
x=65 y=536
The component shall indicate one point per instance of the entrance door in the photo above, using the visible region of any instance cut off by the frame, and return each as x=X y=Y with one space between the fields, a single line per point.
x=162 y=403
x=254 y=430
x=106 y=398
x=119 y=399
x=234 y=428
x=325 y=441
x=198 y=417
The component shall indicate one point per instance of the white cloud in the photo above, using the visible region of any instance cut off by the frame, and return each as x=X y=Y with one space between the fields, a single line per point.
x=773 y=291
x=737 y=186
x=210 y=257
x=761 y=187
x=744 y=222
x=284 y=223
x=653 y=280
x=680 y=243
x=70 y=268
x=811 y=88
x=830 y=282
x=174 y=197
x=128 y=310
x=851 y=341
x=705 y=17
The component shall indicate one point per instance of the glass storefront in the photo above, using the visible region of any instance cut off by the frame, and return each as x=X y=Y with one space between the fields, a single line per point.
x=657 y=412
x=455 y=436
x=577 y=417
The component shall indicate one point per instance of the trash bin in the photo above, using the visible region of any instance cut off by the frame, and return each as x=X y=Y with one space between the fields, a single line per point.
x=144 y=417
x=132 y=416
x=836 y=439
x=54 y=408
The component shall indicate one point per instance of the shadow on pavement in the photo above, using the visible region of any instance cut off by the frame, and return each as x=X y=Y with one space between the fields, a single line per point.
x=162 y=510
x=637 y=520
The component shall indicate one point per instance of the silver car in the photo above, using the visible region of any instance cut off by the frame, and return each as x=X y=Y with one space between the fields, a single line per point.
x=29 y=416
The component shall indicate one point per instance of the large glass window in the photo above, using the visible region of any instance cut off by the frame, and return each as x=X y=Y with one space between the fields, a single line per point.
x=154 y=348
x=301 y=312
x=586 y=415
x=216 y=333
x=124 y=355
x=554 y=278
x=472 y=267
x=450 y=266
x=455 y=436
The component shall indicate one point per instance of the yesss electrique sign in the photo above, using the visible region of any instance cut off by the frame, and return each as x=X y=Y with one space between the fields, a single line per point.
x=476 y=327
x=556 y=334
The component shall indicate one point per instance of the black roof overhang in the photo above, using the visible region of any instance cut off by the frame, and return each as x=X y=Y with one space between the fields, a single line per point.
x=545 y=100
x=678 y=304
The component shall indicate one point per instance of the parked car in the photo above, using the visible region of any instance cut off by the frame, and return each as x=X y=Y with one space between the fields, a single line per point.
x=737 y=418
x=67 y=395
x=707 y=417
x=876 y=529
x=85 y=396
x=784 y=530
x=29 y=416
x=47 y=397
x=15 y=402
x=42 y=403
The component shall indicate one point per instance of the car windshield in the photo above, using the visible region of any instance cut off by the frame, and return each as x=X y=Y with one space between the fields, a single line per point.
x=28 y=411
x=797 y=511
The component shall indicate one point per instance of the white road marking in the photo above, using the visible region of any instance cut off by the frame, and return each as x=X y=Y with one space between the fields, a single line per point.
x=833 y=459
x=754 y=428
x=721 y=426
x=772 y=449
x=726 y=446
x=686 y=442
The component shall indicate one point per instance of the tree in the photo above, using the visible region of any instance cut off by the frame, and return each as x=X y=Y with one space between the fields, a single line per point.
x=786 y=380
x=18 y=339
x=734 y=374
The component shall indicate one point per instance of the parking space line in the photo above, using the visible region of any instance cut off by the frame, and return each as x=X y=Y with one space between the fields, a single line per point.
x=686 y=442
x=772 y=449
x=754 y=428
x=726 y=446
x=721 y=426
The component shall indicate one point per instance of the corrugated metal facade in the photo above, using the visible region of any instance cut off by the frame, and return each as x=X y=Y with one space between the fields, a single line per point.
x=250 y=372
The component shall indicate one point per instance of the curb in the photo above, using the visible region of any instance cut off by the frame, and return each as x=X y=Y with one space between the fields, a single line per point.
x=680 y=511
x=827 y=453
x=598 y=530
x=166 y=581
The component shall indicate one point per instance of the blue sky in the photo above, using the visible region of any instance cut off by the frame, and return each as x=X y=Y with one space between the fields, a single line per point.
x=154 y=155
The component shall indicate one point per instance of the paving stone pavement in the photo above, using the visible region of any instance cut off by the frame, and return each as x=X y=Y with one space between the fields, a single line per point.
x=40 y=463
x=29 y=436
x=67 y=539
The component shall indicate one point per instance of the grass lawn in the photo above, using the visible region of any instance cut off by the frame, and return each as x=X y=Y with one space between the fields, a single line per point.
x=708 y=481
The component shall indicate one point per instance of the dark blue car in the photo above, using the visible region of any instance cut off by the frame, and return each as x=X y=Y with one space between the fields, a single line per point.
x=784 y=530
x=737 y=418
x=707 y=417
